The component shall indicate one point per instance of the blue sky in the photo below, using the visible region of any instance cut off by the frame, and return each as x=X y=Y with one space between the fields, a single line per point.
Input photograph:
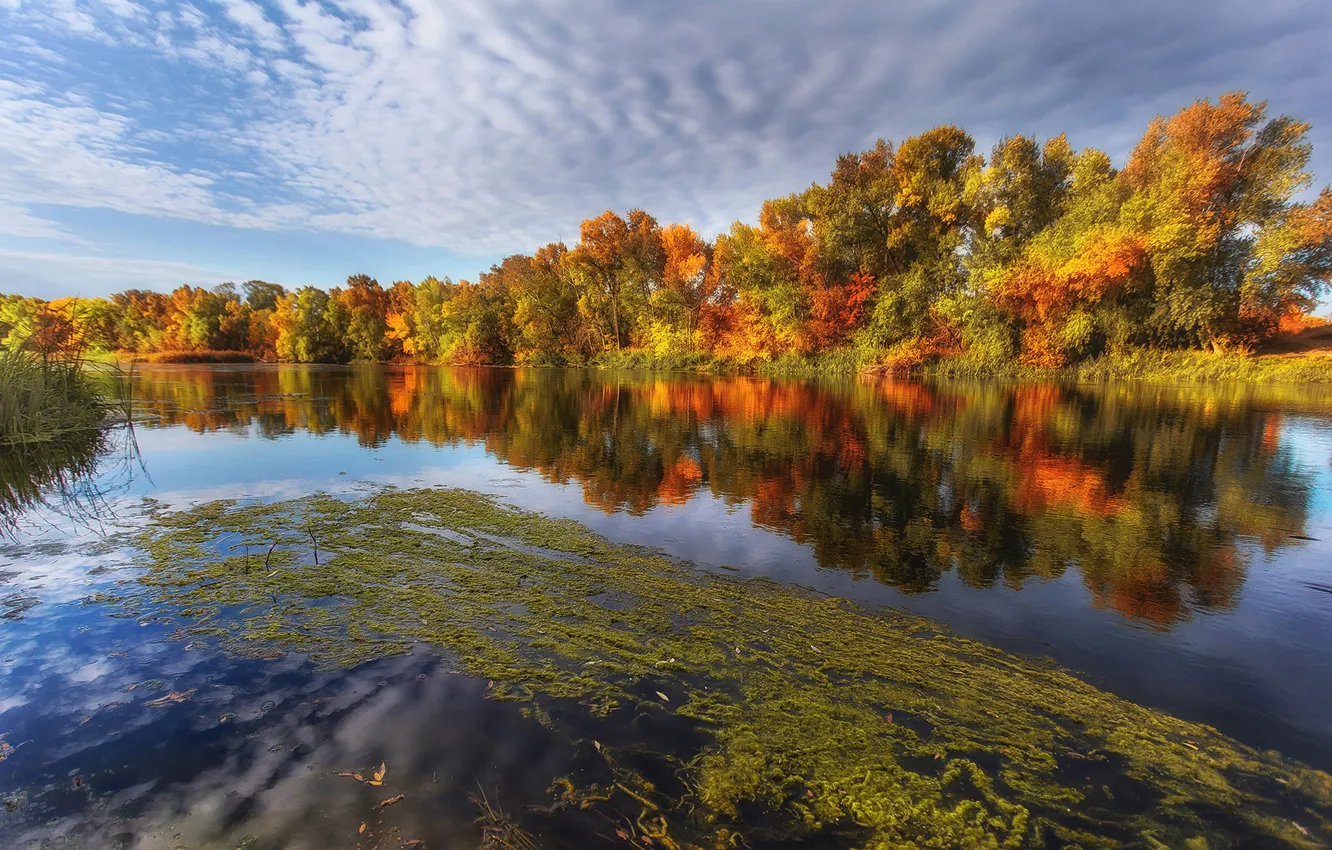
x=146 y=143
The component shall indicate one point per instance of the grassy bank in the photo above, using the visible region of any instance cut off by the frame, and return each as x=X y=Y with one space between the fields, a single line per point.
x=1158 y=366
x=1143 y=364
x=187 y=357
x=841 y=361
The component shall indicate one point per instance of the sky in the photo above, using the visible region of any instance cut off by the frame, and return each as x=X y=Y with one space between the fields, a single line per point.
x=151 y=144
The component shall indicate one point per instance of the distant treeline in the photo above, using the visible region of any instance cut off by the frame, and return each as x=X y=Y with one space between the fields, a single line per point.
x=1038 y=254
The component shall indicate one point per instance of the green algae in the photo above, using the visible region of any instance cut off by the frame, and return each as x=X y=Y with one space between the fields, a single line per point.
x=820 y=718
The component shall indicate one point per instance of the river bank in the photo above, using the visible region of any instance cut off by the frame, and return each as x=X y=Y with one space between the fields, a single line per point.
x=1142 y=364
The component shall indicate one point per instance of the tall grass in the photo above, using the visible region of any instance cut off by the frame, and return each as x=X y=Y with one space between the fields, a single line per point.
x=1156 y=366
x=47 y=399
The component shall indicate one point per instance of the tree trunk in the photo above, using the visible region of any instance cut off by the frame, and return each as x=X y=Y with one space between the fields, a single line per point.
x=615 y=319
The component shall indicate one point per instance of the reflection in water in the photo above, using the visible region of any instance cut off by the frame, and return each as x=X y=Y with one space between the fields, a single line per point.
x=70 y=478
x=1148 y=491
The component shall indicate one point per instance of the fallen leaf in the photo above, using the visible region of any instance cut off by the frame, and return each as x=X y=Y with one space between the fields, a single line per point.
x=362 y=829
x=118 y=655
x=664 y=698
x=597 y=744
x=171 y=698
x=383 y=804
x=383 y=769
x=816 y=649
x=413 y=842
x=85 y=720
x=374 y=782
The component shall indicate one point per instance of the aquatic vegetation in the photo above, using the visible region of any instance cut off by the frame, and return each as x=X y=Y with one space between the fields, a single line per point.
x=815 y=717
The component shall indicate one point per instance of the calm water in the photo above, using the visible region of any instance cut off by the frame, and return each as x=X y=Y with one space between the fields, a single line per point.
x=1172 y=545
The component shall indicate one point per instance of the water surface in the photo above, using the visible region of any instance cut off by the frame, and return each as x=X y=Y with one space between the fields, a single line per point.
x=1170 y=544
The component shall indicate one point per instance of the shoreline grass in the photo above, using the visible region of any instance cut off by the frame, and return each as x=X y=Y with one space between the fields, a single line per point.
x=44 y=400
x=1143 y=364
x=186 y=357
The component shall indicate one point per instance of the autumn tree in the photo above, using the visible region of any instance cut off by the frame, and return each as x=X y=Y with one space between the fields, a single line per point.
x=549 y=328
x=926 y=232
x=1211 y=184
x=686 y=284
x=309 y=325
x=621 y=260
x=365 y=305
x=1076 y=285
x=141 y=319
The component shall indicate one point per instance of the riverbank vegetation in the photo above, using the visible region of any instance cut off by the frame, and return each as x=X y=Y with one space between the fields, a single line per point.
x=55 y=410
x=48 y=392
x=807 y=718
x=1038 y=256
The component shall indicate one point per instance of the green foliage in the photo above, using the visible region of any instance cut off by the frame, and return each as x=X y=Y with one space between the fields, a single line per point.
x=310 y=324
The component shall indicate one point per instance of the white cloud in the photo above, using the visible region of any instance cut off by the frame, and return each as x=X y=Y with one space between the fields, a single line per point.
x=18 y=221
x=493 y=126
x=91 y=274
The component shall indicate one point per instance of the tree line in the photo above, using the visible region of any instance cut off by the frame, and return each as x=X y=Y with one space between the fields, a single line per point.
x=1037 y=253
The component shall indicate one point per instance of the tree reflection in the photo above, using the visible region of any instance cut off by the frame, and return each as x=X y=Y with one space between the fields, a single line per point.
x=1155 y=495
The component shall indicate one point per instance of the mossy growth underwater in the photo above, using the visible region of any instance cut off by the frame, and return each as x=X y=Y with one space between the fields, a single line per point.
x=818 y=720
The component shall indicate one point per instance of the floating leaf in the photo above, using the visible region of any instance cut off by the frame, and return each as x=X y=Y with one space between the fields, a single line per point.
x=171 y=698
x=383 y=769
x=362 y=829
x=597 y=744
x=664 y=698
x=383 y=804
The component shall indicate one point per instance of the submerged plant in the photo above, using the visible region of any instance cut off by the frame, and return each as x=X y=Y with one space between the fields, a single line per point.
x=812 y=716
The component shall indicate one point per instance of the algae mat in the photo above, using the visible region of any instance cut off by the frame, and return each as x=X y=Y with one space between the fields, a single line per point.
x=814 y=719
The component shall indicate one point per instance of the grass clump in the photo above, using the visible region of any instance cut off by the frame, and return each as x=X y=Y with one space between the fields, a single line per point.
x=44 y=400
x=819 y=719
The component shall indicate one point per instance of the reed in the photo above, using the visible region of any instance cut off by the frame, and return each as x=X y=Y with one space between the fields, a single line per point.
x=44 y=400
